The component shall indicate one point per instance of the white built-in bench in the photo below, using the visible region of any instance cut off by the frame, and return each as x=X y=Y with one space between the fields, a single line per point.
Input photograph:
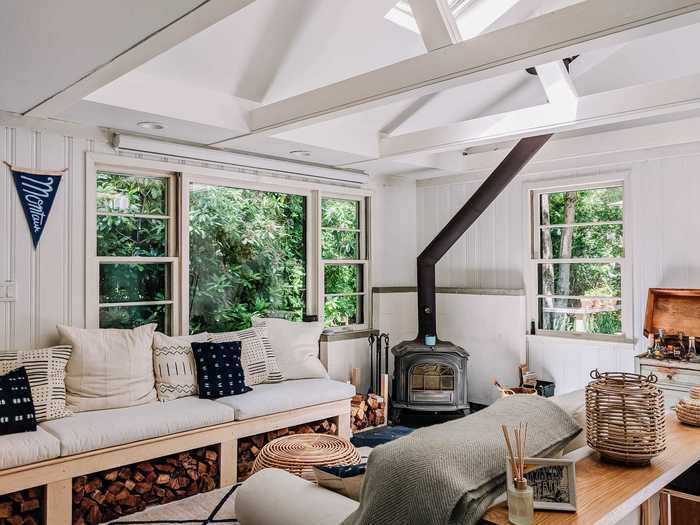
x=90 y=442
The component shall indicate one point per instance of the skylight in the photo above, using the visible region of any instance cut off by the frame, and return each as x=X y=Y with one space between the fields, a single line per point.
x=402 y=15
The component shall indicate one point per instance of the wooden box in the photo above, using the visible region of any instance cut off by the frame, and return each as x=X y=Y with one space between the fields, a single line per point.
x=673 y=309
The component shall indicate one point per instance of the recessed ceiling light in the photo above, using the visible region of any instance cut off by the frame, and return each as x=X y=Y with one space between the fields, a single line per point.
x=151 y=125
x=300 y=153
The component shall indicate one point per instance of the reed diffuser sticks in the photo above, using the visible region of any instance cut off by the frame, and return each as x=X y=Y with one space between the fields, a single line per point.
x=516 y=455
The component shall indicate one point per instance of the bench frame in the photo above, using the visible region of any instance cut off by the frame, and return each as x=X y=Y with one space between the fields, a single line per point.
x=57 y=474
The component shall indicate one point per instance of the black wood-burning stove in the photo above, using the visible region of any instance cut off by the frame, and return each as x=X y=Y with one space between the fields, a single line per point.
x=431 y=375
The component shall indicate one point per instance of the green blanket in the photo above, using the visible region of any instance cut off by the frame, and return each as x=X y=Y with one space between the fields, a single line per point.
x=451 y=473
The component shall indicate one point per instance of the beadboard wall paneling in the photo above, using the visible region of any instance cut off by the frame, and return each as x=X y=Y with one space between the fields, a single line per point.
x=50 y=280
x=490 y=254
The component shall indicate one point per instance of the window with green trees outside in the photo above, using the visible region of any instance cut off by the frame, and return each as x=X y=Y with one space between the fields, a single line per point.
x=579 y=248
x=344 y=262
x=247 y=252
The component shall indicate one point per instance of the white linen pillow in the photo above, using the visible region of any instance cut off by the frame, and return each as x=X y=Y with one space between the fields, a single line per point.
x=257 y=358
x=296 y=347
x=46 y=370
x=174 y=366
x=109 y=368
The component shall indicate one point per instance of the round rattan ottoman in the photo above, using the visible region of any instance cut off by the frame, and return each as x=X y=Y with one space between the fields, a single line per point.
x=299 y=453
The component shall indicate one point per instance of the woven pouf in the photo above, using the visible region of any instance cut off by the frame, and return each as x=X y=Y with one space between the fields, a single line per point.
x=299 y=453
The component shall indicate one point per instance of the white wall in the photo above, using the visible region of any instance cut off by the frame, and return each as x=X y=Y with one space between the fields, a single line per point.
x=50 y=281
x=662 y=198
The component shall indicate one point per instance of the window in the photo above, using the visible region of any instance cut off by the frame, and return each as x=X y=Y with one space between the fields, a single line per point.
x=247 y=252
x=206 y=250
x=344 y=261
x=579 y=258
x=135 y=248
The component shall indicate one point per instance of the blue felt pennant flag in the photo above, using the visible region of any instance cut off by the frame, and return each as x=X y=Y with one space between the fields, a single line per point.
x=36 y=194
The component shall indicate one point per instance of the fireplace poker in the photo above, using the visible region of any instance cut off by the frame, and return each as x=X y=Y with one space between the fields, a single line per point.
x=370 y=340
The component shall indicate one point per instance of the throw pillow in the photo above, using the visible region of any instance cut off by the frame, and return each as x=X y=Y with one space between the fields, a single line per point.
x=219 y=370
x=16 y=406
x=173 y=365
x=257 y=357
x=46 y=369
x=296 y=347
x=109 y=368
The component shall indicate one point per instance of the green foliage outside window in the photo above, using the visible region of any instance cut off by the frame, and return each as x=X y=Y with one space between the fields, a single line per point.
x=582 y=239
x=247 y=257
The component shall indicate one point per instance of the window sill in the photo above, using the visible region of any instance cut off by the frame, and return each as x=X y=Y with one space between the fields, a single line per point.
x=615 y=341
x=346 y=335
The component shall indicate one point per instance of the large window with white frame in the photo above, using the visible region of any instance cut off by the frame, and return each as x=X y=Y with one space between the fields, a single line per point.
x=136 y=249
x=198 y=251
x=578 y=258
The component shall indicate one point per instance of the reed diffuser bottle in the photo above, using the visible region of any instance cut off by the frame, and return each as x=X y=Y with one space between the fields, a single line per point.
x=520 y=497
x=520 y=503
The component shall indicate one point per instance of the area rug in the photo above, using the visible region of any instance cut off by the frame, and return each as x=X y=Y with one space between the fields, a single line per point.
x=203 y=509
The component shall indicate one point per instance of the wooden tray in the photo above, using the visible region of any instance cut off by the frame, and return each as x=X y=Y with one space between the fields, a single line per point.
x=673 y=309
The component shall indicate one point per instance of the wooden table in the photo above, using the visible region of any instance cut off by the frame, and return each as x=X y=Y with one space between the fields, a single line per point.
x=606 y=493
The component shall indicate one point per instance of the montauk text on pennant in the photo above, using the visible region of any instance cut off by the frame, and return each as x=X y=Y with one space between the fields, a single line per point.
x=37 y=192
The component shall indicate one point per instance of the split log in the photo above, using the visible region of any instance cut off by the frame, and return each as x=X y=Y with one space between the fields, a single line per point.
x=113 y=493
x=21 y=507
x=367 y=411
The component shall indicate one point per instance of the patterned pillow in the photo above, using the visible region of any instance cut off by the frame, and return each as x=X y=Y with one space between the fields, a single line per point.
x=16 y=406
x=173 y=365
x=46 y=369
x=257 y=357
x=219 y=370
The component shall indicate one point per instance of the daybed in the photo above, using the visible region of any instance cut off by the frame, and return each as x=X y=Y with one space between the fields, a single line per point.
x=89 y=442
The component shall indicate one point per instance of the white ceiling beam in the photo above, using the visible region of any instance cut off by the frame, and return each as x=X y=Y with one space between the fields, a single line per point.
x=557 y=82
x=592 y=24
x=436 y=23
x=628 y=104
x=204 y=15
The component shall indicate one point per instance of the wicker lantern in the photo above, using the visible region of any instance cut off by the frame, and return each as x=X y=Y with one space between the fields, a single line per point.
x=625 y=420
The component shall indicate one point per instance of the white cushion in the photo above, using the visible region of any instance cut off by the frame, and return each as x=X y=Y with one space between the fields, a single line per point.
x=574 y=404
x=109 y=368
x=296 y=347
x=273 y=496
x=288 y=395
x=174 y=366
x=107 y=428
x=27 y=447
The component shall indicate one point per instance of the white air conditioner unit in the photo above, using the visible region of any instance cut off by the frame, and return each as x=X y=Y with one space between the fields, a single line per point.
x=137 y=144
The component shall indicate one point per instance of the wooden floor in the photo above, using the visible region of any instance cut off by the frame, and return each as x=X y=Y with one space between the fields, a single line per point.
x=606 y=493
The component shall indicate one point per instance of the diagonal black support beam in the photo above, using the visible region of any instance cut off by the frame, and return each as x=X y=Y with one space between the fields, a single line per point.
x=491 y=188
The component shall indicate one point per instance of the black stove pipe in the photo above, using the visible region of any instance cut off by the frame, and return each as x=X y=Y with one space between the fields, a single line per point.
x=518 y=157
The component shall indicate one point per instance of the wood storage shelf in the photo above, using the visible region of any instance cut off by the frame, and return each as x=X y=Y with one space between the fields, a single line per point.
x=23 y=507
x=625 y=419
x=113 y=493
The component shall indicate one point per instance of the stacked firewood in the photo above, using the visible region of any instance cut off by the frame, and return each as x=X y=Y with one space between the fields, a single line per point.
x=113 y=493
x=249 y=447
x=21 y=508
x=367 y=411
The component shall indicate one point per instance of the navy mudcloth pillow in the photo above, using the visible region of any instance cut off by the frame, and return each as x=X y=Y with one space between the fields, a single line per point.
x=17 y=412
x=219 y=370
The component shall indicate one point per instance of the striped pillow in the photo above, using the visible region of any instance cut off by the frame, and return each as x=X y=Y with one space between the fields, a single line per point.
x=46 y=369
x=258 y=359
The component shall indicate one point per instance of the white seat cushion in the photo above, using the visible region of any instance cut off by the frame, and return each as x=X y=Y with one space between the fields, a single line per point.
x=98 y=429
x=27 y=447
x=279 y=397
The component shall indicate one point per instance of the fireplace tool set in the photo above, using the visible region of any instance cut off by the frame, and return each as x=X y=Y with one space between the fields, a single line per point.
x=375 y=343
